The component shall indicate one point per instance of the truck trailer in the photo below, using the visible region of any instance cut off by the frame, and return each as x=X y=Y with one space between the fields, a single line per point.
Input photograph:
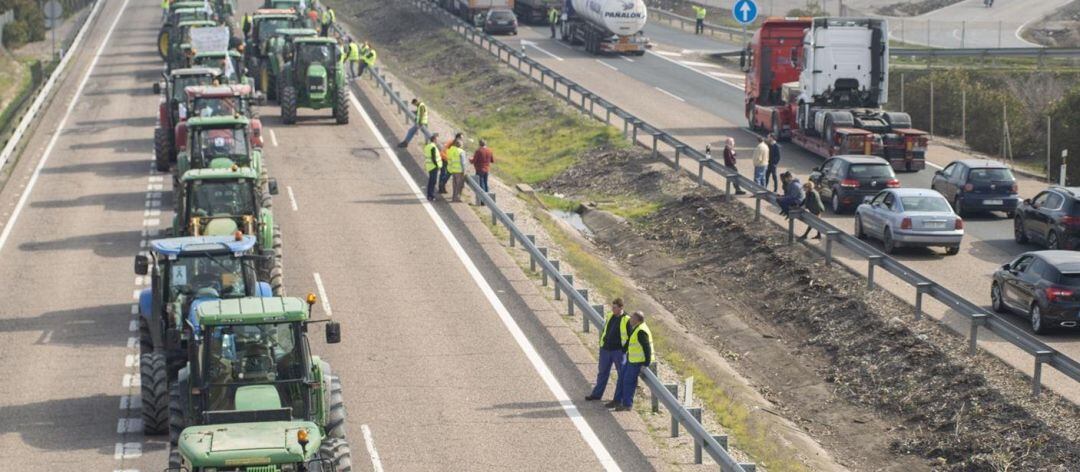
x=535 y=11
x=606 y=26
x=821 y=83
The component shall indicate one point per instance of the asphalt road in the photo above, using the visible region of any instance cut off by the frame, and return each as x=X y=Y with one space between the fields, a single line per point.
x=701 y=103
x=443 y=366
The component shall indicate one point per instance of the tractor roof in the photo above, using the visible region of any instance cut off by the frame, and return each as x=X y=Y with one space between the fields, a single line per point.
x=316 y=40
x=217 y=122
x=274 y=12
x=201 y=244
x=220 y=174
x=255 y=443
x=217 y=91
x=195 y=71
x=297 y=32
x=230 y=53
x=179 y=5
x=196 y=23
x=252 y=310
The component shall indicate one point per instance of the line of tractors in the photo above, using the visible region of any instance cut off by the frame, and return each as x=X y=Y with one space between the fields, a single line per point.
x=226 y=367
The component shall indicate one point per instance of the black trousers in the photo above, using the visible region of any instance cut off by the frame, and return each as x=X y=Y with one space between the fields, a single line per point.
x=699 y=26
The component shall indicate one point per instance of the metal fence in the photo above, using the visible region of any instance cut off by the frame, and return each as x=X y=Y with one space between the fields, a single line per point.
x=588 y=102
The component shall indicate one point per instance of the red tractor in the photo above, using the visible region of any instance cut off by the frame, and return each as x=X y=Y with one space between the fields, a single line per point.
x=208 y=101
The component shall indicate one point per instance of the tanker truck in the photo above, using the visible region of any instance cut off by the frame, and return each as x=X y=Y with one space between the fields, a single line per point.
x=606 y=25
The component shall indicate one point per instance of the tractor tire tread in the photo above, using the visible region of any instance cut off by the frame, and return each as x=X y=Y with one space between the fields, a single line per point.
x=154 y=378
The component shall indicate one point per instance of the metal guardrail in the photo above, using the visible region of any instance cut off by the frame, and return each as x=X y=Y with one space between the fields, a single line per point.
x=1039 y=53
x=632 y=126
x=710 y=28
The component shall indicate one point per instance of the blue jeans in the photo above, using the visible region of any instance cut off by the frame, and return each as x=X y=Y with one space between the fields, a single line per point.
x=444 y=177
x=787 y=202
x=412 y=132
x=482 y=179
x=432 y=176
x=628 y=378
x=759 y=175
x=607 y=358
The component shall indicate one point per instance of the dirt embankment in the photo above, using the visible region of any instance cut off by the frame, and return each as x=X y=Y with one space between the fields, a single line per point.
x=1060 y=29
x=884 y=394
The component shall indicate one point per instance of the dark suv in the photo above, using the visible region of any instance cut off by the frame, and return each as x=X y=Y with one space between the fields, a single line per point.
x=1044 y=285
x=1052 y=219
x=846 y=181
x=978 y=185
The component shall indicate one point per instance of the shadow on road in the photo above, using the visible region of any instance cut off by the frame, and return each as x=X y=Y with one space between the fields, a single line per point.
x=114 y=244
x=131 y=201
x=90 y=326
x=108 y=169
x=535 y=410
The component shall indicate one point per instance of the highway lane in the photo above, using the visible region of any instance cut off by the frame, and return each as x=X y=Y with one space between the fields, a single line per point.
x=699 y=108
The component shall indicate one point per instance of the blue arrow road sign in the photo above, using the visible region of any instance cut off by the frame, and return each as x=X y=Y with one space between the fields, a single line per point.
x=745 y=11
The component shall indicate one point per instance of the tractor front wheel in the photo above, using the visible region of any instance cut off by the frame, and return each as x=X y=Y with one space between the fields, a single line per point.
x=176 y=411
x=154 y=377
x=341 y=106
x=161 y=150
x=337 y=451
x=335 y=421
x=288 y=104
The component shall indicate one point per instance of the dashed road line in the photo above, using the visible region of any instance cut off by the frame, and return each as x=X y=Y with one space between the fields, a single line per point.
x=369 y=441
x=625 y=58
x=665 y=92
x=292 y=198
x=322 y=295
x=701 y=64
x=538 y=48
x=609 y=66
x=669 y=53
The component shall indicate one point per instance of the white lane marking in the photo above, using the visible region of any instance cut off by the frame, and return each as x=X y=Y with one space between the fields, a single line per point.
x=728 y=75
x=273 y=138
x=680 y=64
x=931 y=164
x=1021 y=30
x=376 y=463
x=129 y=425
x=538 y=48
x=537 y=362
x=131 y=360
x=56 y=135
x=701 y=64
x=626 y=58
x=669 y=53
x=292 y=198
x=322 y=295
x=129 y=450
x=609 y=66
x=665 y=92
x=130 y=380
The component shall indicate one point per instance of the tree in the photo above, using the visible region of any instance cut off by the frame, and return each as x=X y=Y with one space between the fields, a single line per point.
x=29 y=24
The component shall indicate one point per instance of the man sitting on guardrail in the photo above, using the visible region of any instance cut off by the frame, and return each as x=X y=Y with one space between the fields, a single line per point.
x=612 y=339
x=793 y=193
x=639 y=354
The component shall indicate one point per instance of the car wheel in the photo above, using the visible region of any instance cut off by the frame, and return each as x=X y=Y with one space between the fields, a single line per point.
x=887 y=241
x=859 y=233
x=1037 y=325
x=836 y=207
x=952 y=250
x=1052 y=241
x=1019 y=233
x=958 y=207
x=995 y=298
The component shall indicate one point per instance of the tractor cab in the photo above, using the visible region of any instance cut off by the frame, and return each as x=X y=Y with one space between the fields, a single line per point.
x=172 y=110
x=314 y=78
x=266 y=28
x=293 y=5
x=217 y=142
x=219 y=100
x=179 y=43
x=228 y=62
x=252 y=379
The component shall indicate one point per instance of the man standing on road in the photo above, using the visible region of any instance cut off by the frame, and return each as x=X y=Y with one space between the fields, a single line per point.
x=553 y=19
x=761 y=158
x=639 y=355
x=481 y=161
x=421 y=122
x=729 y=161
x=699 y=13
x=774 y=163
x=433 y=164
x=444 y=175
x=328 y=18
x=455 y=168
x=354 y=58
x=612 y=339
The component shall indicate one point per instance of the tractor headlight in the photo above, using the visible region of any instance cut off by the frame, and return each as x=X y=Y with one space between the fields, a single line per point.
x=288 y=468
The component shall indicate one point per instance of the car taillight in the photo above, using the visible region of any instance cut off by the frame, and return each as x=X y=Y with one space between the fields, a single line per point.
x=959 y=224
x=892 y=183
x=1054 y=293
x=906 y=224
x=969 y=187
x=849 y=183
x=1070 y=220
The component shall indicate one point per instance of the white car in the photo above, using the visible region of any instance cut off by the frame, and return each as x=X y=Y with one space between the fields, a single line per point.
x=910 y=217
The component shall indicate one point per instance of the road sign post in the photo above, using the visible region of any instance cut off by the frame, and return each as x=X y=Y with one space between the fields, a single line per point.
x=53 y=13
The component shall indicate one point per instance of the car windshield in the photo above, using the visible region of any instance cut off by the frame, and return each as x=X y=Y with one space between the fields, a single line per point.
x=181 y=83
x=929 y=204
x=268 y=27
x=990 y=175
x=210 y=276
x=502 y=16
x=221 y=142
x=218 y=106
x=222 y=198
x=316 y=53
x=251 y=354
x=870 y=171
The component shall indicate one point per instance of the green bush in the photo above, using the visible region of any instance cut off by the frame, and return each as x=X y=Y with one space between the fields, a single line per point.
x=29 y=24
x=1066 y=133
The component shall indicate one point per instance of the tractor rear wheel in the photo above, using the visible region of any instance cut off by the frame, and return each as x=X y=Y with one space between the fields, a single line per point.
x=288 y=105
x=161 y=150
x=146 y=341
x=341 y=106
x=335 y=421
x=263 y=178
x=337 y=450
x=154 y=377
x=176 y=411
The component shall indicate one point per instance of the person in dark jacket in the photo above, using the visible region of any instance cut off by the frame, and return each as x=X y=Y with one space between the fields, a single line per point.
x=729 y=162
x=812 y=203
x=612 y=350
x=793 y=193
x=639 y=355
x=774 y=162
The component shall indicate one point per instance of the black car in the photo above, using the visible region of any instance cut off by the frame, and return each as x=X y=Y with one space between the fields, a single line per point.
x=1044 y=285
x=845 y=182
x=498 y=21
x=978 y=185
x=1052 y=219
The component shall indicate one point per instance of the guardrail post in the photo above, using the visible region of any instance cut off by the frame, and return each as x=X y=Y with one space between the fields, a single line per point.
x=1036 y=379
x=722 y=439
x=829 y=236
x=556 y=264
x=696 y=414
x=871 y=262
x=678 y=152
x=748 y=467
x=793 y=214
x=633 y=139
x=584 y=292
x=626 y=128
x=510 y=216
x=673 y=388
x=758 y=196
x=655 y=139
x=585 y=324
x=493 y=220
x=558 y=292
x=701 y=170
x=920 y=289
x=977 y=319
x=532 y=262
x=607 y=116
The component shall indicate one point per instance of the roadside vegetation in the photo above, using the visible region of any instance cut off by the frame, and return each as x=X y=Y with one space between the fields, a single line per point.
x=914 y=8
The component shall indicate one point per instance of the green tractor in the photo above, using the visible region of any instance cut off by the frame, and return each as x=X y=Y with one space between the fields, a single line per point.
x=172 y=110
x=265 y=27
x=218 y=202
x=218 y=142
x=253 y=395
x=176 y=56
x=184 y=273
x=266 y=63
x=230 y=63
x=314 y=78
x=180 y=12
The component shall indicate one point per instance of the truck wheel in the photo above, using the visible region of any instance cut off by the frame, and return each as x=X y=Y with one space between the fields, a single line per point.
x=161 y=150
x=337 y=450
x=341 y=106
x=154 y=377
x=288 y=105
x=335 y=421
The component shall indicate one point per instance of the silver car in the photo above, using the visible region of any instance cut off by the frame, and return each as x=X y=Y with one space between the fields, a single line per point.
x=910 y=217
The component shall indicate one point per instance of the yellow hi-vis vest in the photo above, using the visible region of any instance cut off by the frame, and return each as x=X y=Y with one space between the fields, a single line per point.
x=369 y=57
x=635 y=352
x=354 y=52
x=623 y=323
x=328 y=16
x=453 y=160
x=421 y=114
x=700 y=12
x=553 y=16
x=432 y=160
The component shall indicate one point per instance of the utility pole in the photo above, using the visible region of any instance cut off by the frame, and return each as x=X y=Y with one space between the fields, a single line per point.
x=1064 y=166
x=1048 y=148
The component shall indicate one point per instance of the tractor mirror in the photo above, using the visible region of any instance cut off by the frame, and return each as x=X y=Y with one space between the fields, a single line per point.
x=272 y=186
x=157 y=88
x=142 y=265
x=333 y=332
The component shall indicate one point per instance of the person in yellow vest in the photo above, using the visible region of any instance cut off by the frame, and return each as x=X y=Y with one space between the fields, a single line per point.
x=455 y=167
x=245 y=24
x=612 y=339
x=421 y=122
x=433 y=164
x=328 y=18
x=164 y=10
x=367 y=59
x=553 y=19
x=354 y=58
x=639 y=355
x=699 y=13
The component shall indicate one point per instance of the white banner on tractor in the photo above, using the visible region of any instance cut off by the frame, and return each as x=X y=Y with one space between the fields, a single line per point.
x=210 y=39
